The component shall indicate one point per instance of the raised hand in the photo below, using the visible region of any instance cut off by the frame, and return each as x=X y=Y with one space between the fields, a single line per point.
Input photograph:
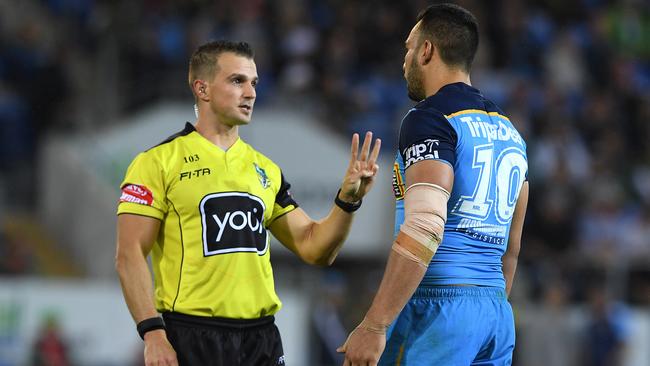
x=362 y=169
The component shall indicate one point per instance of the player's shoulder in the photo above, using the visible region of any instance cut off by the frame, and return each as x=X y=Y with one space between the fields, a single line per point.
x=460 y=99
x=421 y=115
x=424 y=119
x=507 y=129
x=423 y=111
x=453 y=98
x=448 y=100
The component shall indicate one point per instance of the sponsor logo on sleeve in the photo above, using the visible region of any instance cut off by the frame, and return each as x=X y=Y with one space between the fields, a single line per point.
x=233 y=222
x=136 y=193
x=424 y=150
x=398 y=182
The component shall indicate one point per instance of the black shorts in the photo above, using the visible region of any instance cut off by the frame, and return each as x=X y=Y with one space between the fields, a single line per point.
x=203 y=341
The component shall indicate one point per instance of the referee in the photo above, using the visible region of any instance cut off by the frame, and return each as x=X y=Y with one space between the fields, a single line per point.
x=202 y=203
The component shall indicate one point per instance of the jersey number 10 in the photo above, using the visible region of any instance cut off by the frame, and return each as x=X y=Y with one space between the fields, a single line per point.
x=510 y=167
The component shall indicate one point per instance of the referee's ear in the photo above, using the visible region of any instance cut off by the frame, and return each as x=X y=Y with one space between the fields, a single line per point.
x=200 y=89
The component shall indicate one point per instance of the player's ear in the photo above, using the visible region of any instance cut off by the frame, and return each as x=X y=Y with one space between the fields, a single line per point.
x=426 y=52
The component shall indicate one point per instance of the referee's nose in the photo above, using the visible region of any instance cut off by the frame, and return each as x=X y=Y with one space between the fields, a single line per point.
x=249 y=91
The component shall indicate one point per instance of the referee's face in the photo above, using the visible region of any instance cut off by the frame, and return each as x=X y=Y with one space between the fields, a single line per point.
x=232 y=91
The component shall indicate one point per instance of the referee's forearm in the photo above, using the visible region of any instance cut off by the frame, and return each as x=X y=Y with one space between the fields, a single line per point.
x=136 y=283
x=328 y=235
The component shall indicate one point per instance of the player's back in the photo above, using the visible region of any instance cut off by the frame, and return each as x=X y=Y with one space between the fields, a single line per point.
x=459 y=126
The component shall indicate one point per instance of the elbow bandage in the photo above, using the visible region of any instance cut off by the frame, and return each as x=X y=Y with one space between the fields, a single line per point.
x=425 y=214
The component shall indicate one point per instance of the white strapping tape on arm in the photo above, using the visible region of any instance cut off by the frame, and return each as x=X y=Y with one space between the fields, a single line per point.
x=425 y=214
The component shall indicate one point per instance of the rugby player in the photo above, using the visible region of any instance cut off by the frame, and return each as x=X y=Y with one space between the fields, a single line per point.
x=202 y=203
x=460 y=181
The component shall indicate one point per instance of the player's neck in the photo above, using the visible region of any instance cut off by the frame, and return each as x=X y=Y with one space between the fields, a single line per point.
x=218 y=133
x=449 y=76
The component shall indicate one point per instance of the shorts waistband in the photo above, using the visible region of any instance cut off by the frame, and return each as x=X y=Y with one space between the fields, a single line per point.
x=216 y=322
x=459 y=291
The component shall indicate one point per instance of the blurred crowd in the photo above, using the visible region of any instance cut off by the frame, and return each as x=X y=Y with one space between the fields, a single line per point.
x=574 y=76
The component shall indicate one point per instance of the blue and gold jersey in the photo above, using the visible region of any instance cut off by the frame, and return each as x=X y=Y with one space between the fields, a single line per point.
x=460 y=127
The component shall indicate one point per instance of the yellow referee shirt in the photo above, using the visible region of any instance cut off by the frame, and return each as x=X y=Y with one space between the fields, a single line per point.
x=211 y=257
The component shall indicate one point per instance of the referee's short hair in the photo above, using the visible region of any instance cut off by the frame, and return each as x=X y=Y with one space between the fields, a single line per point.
x=453 y=30
x=203 y=63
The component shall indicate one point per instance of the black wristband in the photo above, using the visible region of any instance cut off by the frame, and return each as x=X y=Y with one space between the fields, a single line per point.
x=149 y=325
x=346 y=206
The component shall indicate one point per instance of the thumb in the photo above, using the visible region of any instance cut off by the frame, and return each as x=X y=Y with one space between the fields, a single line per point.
x=344 y=347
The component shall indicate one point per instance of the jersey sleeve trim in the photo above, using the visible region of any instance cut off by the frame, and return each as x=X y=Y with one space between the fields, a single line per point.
x=284 y=202
x=283 y=198
x=281 y=213
x=139 y=209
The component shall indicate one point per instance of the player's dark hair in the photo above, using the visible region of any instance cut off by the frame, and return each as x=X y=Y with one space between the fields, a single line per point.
x=203 y=63
x=453 y=30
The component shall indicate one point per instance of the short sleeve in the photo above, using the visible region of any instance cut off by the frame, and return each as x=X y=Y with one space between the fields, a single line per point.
x=427 y=135
x=284 y=202
x=143 y=188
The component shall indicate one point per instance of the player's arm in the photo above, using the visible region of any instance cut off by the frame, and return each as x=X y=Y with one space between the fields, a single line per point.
x=135 y=238
x=318 y=242
x=428 y=183
x=510 y=257
x=409 y=259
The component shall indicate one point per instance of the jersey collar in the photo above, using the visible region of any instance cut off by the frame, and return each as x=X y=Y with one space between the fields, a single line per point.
x=238 y=145
x=458 y=87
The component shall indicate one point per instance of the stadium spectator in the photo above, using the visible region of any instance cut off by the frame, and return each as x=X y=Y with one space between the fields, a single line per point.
x=50 y=348
x=607 y=330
